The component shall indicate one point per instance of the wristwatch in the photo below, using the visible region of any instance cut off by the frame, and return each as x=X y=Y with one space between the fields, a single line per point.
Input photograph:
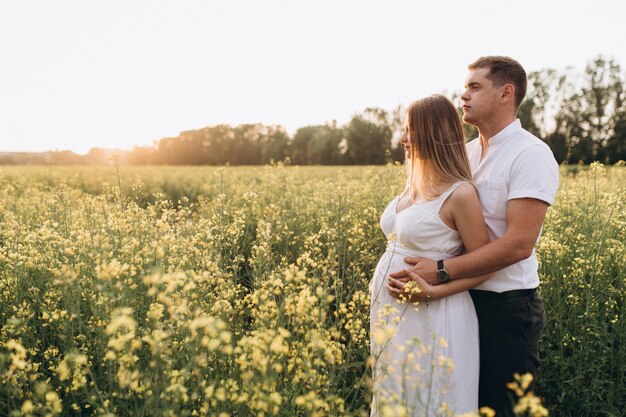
x=442 y=274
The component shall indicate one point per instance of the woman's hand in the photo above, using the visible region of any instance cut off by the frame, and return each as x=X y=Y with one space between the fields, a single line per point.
x=411 y=287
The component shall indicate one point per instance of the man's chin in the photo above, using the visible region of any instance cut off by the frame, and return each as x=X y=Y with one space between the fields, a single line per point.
x=468 y=120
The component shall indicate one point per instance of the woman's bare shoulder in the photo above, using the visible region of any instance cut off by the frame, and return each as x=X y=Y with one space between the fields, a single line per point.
x=465 y=192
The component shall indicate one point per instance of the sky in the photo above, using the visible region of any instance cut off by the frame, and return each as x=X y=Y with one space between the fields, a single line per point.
x=121 y=73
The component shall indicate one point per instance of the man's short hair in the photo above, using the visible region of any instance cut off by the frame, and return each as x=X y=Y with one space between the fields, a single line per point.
x=504 y=70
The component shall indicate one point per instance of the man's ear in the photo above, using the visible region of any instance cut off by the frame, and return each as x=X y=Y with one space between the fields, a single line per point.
x=508 y=92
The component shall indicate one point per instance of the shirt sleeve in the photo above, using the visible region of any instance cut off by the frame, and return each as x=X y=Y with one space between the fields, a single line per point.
x=534 y=174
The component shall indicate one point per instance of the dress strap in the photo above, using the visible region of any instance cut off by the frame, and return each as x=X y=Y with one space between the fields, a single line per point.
x=444 y=196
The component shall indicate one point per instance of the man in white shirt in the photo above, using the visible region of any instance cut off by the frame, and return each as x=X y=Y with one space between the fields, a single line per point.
x=517 y=179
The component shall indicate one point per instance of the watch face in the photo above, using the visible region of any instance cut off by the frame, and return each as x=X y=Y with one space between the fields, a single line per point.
x=442 y=275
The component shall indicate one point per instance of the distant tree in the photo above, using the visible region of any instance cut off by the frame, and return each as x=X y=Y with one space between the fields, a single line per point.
x=189 y=149
x=218 y=144
x=66 y=158
x=558 y=144
x=318 y=145
x=299 y=146
x=9 y=159
x=97 y=156
x=140 y=155
x=526 y=113
x=273 y=144
x=397 y=121
x=543 y=97
x=166 y=152
x=548 y=89
x=324 y=146
x=579 y=117
x=245 y=146
x=589 y=114
x=615 y=149
x=368 y=137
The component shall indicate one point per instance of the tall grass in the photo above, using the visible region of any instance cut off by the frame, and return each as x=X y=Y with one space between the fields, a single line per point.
x=582 y=266
x=243 y=291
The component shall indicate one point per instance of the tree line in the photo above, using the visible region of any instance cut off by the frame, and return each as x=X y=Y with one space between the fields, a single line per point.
x=581 y=116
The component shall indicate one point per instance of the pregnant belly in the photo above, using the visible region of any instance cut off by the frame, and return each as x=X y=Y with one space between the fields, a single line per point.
x=393 y=258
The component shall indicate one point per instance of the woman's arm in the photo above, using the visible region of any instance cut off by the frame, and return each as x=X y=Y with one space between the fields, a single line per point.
x=462 y=209
x=398 y=287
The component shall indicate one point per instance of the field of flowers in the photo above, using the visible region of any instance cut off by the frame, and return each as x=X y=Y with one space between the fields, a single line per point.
x=243 y=291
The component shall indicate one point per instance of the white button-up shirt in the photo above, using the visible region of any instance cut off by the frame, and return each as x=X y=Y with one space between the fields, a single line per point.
x=517 y=165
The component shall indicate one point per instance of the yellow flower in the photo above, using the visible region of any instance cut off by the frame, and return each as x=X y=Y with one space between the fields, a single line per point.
x=53 y=401
x=63 y=371
x=382 y=334
x=487 y=412
x=443 y=343
x=18 y=357
x=27 y=407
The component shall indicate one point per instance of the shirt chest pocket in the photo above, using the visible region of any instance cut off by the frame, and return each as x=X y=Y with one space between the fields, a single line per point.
x=493 y=198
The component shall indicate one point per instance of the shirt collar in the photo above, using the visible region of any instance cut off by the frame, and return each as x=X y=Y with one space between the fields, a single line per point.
x=506 y=132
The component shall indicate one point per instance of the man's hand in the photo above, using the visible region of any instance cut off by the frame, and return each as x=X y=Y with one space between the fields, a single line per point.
x=424 y=267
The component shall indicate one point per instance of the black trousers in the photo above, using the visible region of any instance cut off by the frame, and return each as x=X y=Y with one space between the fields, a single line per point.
x=510 y=324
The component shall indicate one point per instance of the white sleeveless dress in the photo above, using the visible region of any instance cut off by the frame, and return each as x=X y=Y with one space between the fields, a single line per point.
x=425 y=357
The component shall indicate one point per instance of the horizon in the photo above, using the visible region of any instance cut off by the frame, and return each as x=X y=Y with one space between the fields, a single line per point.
x=129 y=74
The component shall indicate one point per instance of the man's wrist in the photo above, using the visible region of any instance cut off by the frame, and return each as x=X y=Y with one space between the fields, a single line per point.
x=443 y=275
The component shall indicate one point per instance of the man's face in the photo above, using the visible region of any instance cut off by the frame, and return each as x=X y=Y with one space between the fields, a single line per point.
x=481 y=98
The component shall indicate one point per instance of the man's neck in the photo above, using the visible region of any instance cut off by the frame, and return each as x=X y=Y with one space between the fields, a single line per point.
x=489 y=130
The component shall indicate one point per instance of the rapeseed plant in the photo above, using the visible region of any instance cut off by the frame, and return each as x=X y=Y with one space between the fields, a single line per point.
x=190 y=292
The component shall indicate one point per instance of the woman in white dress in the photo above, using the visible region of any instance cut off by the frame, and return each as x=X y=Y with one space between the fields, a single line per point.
x=425 y=345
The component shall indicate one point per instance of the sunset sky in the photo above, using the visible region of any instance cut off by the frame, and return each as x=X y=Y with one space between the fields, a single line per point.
x=115 y=74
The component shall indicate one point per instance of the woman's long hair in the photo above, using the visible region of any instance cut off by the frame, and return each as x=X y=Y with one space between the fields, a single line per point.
x=438 y=151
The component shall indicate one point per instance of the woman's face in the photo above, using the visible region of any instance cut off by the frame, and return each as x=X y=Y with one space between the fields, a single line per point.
x=405 y=140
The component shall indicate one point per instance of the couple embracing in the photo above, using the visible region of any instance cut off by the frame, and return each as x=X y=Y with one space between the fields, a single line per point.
x=461 y=243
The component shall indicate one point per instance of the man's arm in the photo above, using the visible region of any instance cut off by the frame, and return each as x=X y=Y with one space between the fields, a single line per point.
x=398 y=288
x=464 y=208
x=524 y=218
